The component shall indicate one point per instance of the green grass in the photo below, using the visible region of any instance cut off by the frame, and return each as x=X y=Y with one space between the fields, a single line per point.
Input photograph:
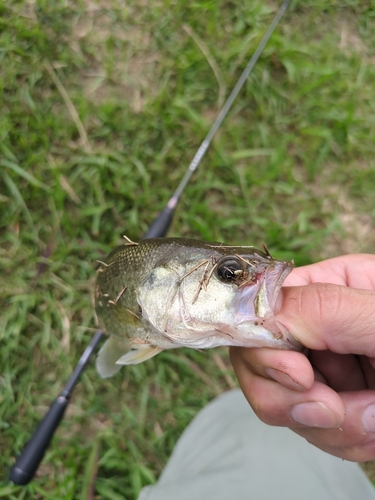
x=292 y=166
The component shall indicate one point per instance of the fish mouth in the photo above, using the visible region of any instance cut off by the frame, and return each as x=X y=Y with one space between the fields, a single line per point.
x=262 y=300
x=259 y=303
x=268 y=300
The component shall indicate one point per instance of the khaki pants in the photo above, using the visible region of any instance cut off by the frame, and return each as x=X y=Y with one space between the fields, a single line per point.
x=227 y=453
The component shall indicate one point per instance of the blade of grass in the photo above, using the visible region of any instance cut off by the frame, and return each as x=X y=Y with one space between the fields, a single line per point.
x=26 y=175
x=91 y=468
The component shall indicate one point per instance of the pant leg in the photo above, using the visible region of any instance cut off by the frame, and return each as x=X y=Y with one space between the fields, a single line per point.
x=227 y=453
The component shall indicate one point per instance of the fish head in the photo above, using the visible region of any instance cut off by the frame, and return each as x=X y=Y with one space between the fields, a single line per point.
x=222 y=296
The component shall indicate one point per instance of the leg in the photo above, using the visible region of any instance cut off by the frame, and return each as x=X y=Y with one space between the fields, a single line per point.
x=228 y=453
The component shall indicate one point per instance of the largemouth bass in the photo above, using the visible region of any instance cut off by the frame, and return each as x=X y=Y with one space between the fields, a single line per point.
x=165 y=293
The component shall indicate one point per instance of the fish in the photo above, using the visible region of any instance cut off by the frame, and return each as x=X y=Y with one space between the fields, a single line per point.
x=165 y=293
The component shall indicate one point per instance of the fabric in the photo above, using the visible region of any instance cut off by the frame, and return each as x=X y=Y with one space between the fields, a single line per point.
x=227 y=453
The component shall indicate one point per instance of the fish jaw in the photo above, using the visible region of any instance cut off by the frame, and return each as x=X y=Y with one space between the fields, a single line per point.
x=261 y=300
x=267 y=302
x=255 y=306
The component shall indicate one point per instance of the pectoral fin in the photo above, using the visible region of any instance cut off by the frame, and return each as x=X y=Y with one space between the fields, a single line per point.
x=136 y=356
x=112 y=350
x=116 y=353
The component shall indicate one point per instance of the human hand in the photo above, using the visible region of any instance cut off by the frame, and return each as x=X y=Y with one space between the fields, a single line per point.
x=328 y=394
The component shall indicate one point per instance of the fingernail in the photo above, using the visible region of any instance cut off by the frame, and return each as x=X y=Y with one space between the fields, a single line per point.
x=283 y=379
x=314 y=414
x=368 y=418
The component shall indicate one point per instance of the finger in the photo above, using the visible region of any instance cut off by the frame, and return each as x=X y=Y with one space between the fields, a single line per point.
x=278 y=405
x=340 y=424
x=330 y=317
x=291 y=369
x=355 y=439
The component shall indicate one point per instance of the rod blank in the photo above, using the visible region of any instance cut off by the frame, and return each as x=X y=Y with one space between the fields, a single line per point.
x=219 y=119
x=28 y=462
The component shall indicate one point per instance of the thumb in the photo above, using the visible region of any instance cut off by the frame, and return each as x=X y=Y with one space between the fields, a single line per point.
x=325 y=316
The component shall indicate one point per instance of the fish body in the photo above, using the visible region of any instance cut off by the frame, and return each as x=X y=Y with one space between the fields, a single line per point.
x=165 y=293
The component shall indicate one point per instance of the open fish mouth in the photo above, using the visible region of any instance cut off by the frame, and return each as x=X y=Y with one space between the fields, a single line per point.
x=268 y=300
x=259 y=302
x=262 y=299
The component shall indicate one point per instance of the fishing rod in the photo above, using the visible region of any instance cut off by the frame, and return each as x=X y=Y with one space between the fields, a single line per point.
x=32 y=454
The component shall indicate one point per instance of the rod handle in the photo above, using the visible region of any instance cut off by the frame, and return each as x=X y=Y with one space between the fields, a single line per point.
x=160 y=225
x=27 y=463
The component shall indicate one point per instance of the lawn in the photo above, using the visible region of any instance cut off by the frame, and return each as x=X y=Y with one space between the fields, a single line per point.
x=104 y=104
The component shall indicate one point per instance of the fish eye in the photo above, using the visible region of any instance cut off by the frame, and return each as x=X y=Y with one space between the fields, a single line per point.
x=229 y=269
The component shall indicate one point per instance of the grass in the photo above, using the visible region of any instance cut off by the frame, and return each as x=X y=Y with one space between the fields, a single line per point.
x=104 y=105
